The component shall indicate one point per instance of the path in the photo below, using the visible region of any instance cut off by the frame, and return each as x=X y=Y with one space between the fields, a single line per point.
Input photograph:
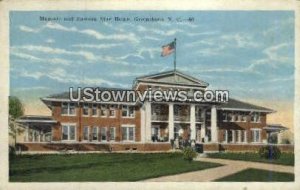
x=230 y=167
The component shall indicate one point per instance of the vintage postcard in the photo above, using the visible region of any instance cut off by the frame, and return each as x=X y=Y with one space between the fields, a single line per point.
x=187 y=97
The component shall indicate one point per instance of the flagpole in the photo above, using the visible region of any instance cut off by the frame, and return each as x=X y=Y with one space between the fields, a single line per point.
x=175 y=55
x=175 y=60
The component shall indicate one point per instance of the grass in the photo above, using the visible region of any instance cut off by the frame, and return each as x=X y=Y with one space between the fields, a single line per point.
x=256 y=175
x=285 y=158
x=100 y=167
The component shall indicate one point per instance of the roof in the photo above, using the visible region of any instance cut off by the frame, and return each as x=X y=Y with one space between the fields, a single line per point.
x=275 y=127
x=234 y=104
x=36 y=119
x=65 y=95
x=173 y=77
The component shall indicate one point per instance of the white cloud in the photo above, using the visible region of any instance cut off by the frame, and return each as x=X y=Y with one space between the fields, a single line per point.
x=28 y=29
x=240 y=40
x=170 y=32
x=30 y=57
x=202 y=33
x=272 y=57
x=93 y=33
x=141 y=51
x=60 y=75
x=49 y=50
x=50 y=41
x=237 y=40
x=97 y=46
x=152 y=38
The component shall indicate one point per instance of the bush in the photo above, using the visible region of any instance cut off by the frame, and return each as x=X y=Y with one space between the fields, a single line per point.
x=269 y=152
x=12 y=152
x=189 y=153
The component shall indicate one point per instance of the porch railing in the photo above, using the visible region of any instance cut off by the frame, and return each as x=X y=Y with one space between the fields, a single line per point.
x=181 y=118
x=199 y=119
x=159 y=117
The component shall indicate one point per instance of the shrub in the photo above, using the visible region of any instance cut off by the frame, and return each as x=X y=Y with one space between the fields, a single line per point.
x=189 y=153
x=269 y=152
x=12 y=152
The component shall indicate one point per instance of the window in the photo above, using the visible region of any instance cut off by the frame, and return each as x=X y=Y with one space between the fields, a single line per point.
x=127 y=111
x=244 y=117
x=229 y=116
x=225 y=116
x=128 y=133
x=64 y=108
x=155 y=133
x=239 y=116
x=255 y=117
x=95 y=134
x=68 y=132
x=233 y=116
x=85 y=110
x=103 y=110
x=112 y=131
x=112 y=111
x=68 y=108
x=256 y=135
x=86 y=133
x=103 y=134
x=94 y=110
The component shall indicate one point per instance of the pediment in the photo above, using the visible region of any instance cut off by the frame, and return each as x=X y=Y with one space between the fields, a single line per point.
x=173 y=77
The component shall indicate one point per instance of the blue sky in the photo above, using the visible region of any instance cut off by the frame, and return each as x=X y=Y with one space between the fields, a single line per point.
x=249 y=53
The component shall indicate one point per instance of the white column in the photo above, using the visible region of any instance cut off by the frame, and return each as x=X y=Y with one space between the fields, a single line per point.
x=143 y=124
x=147 y=121
x=279 y=138
x=245 y=136
x=193 y=122
x=27 y=134
x=171 y=121
x=226 y=136
x=203 y=129
x=213 y=120
x=233 y=136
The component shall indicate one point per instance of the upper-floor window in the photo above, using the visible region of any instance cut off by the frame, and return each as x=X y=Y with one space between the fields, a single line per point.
x=234 y=116
x=94 y=110
x=255 y=117
x=103 y=111
x=68 y=108
x=112 y=111
x=127 y=111
x=85 y=110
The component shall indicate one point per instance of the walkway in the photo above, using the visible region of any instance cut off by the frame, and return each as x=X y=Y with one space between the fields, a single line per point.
x=230 y=167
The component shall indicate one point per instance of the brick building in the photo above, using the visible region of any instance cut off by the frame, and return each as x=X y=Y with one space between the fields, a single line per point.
x=149 y=126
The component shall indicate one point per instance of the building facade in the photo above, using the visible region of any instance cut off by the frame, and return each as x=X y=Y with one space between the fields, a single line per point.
x=150 y=126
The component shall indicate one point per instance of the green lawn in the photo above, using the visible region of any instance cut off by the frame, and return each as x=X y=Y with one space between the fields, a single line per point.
x=252 y=175
x=285 y=158
x=100 y=167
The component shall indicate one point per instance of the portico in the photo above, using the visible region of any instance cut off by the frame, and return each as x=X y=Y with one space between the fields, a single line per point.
x=172 y=120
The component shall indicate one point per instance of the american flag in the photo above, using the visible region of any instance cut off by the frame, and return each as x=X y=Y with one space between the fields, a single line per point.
x=168 y=49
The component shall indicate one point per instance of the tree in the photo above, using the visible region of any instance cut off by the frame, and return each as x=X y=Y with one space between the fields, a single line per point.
x=16 y=110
